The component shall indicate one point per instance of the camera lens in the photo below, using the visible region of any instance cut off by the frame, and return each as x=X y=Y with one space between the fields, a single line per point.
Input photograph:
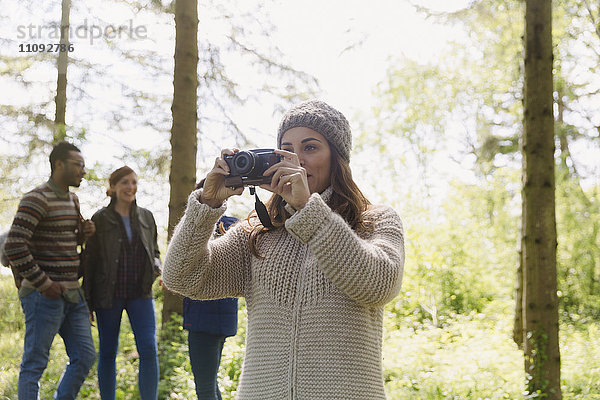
x=243 y=162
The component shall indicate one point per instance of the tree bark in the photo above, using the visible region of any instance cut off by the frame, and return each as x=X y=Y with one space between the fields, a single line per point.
x=538 y=241
x=61 y=85
x=518 y=319
x=182 y=176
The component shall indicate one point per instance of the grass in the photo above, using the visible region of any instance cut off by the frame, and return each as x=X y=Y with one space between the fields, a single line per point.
x=471 y=357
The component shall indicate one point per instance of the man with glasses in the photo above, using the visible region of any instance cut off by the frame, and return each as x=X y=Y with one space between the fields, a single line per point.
x=42 y=250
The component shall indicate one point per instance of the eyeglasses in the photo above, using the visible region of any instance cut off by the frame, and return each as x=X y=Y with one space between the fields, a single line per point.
x=79 y=163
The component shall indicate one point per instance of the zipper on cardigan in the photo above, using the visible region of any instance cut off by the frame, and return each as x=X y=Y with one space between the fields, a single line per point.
x=296 y=323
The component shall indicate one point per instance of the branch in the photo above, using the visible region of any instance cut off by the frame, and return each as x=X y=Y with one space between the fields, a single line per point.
x=592 y=18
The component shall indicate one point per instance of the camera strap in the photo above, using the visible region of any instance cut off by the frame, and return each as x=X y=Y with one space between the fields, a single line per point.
x=261 y=210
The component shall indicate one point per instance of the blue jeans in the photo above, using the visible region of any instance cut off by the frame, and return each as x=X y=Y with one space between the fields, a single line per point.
x=143 y=323
x=205 y=357
x=44 y=318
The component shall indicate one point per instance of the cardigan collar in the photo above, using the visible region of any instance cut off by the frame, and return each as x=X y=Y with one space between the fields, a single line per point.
x=327 y=194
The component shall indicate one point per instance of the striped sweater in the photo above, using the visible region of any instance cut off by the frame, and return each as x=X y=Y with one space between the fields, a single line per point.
x=42 y=241
x=315 y=301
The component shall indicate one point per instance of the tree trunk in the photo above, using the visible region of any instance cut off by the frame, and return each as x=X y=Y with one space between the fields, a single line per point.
x=538 y=241
x=61 y=86
x=182 y=177
x=518 y=319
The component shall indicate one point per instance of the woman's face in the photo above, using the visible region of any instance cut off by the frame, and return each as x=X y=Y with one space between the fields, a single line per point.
x=314 y=154
x=126 y=188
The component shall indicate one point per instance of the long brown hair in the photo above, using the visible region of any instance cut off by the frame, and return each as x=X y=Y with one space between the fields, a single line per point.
x=347 y=200
x=115 y=177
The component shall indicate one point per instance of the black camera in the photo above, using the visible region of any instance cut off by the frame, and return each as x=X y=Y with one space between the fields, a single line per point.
x=246 y=168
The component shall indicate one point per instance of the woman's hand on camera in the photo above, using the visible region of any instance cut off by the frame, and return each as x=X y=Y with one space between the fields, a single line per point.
x=289 y=180
x=215 y=191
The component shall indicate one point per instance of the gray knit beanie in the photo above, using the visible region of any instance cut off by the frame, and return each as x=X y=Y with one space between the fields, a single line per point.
x=321 y=117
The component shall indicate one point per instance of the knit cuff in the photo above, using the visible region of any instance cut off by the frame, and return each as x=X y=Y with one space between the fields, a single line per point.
x=290 y=209
x=307 y=221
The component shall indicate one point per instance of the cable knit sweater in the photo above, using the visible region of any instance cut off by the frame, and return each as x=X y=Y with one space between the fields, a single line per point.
x=315 y=301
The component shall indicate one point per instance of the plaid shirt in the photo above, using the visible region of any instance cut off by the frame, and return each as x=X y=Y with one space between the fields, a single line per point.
x=132 y=258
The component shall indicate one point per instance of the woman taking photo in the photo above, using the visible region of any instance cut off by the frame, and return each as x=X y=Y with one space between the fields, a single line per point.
x=316 y=282
x=121 y=263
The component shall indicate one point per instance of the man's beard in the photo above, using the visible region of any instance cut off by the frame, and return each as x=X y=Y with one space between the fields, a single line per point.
x=75 y=182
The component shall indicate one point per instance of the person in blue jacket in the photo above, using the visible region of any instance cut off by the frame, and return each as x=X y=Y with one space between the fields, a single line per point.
x=209 y=323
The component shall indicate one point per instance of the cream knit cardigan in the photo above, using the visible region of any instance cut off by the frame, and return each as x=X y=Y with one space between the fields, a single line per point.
x=315 y=301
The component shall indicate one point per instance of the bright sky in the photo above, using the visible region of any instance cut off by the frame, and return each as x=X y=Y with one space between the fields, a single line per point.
x=385 y=28
x=313 y=35
x=316 y=36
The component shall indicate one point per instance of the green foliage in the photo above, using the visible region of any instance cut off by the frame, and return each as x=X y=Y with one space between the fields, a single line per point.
x=464 y=258
x=471 y=358
x=12 y=327
x=11 y=316
x=233 y=356
x=469 y=97
x=535 y=382
x=578 y=253
x=580 y=352
x=175 y=368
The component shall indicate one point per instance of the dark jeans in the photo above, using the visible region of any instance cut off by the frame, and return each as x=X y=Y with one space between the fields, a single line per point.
x=143 y=323
x=205 y=358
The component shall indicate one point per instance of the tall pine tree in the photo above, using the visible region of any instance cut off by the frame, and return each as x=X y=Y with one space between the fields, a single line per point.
x=182 y=176
x=538 y=241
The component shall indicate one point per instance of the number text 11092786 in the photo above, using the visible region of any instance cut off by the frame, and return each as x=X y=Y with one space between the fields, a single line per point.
x=47 y=48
